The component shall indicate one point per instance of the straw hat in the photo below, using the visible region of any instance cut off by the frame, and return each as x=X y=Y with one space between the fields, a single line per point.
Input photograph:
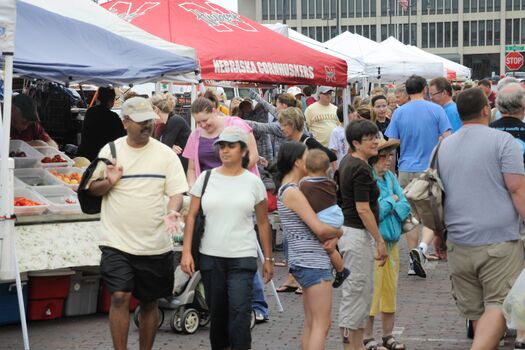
x=383 y=144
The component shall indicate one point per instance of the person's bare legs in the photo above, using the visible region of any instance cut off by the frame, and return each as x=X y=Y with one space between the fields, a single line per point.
x=488 y=330
x=119 y=319
x=307 y=325
x=369 y=328
x=413 y=238
x=387 y=322
x=355 y=339
x=337 y=261
x=148 y=321
x=427 y=235
x=318 y=300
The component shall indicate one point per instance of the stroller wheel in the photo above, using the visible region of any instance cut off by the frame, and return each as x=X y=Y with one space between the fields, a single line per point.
x=252 y=320
x=137 y=312
x=205 y=318
x=175 y=322
x=190 y=321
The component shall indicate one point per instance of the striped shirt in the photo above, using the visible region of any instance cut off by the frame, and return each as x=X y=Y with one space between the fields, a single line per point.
x=304 y=248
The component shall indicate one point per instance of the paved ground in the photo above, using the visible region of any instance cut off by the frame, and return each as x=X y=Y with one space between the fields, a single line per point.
x=427 y=319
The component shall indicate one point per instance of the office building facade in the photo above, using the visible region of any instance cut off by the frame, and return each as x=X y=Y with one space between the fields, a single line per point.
x=476 y=33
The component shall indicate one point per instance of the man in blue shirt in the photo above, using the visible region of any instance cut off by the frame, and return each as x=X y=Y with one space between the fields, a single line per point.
x=440 y=91
x=418 y=125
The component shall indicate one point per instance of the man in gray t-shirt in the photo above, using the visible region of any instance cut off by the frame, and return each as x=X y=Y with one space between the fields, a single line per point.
x=484 y=180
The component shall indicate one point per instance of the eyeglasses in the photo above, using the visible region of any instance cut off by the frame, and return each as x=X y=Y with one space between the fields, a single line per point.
x=370 y=138
x=436 y=93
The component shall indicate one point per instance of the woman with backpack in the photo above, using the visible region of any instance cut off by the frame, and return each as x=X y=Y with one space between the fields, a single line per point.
x=393 y=210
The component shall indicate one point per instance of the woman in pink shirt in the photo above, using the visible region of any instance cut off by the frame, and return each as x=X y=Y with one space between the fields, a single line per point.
x=199 y=150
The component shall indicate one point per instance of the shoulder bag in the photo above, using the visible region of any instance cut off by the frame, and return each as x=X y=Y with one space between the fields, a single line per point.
x=198 y=227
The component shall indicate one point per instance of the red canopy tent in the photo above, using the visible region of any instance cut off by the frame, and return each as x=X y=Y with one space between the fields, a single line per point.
x=230 y=47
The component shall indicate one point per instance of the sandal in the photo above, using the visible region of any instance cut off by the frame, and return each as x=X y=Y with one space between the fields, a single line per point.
x=286 y=289
x=299 y=291
x=371 y=344
x=519 y=344
x=391 y=343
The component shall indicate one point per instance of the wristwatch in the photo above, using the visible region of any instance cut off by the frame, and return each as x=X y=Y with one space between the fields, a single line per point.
x=267 y=258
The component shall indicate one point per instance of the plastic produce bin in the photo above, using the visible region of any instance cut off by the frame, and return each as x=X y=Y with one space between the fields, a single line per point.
x=67 y=171
x=57 y=196
x=83 y=294
x=30 y=210
x=36 y=177
x=47 y=293
x=32 y=158
x=9 y=301
x=51 y=152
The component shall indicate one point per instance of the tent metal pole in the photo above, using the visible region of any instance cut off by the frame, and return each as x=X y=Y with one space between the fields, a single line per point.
x=7 y=214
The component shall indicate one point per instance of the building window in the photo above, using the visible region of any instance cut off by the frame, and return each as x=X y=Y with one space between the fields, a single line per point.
x=373 y=8
x=454 y=6
x=509 y=5
x=384 y=32
x=466 y=6
x=326 y=8
x=304 y=31
x=481 y=33
x=333 y=32
x=359 y=30
x=473 y=6
x=448 y=6
x=384 y=7
x=265 y=10
x=439 y=31
x=373 y=32
x=455 y=31
x=440 y=7
x=489 y=32
x=466 y=33
x=473 y=33
x=351 y=9
x=294 y=9
x=432 y=35
x=482 y=5
x=424 y=35
x=319 y=9
x=319 y=34
x=279 y=9
x=304 y=8
x=359 y=8
x=344 y=8
x=311 y=32
x=333 y=10
x=326 y=33
x=366 y=8
x=497 y=5
x=490 y=5
x=516 y=31
x=523 y=31
x=516 y=5
x=431 y=7
x=448 y=34
x=497 y=32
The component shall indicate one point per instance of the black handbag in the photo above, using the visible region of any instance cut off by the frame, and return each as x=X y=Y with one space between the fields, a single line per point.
x=198 y=227
x=88 y=203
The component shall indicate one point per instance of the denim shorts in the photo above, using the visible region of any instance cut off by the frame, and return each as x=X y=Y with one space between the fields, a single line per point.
x=307 y=277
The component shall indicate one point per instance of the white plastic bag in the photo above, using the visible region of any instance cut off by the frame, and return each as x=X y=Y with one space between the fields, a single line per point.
x=514 y=304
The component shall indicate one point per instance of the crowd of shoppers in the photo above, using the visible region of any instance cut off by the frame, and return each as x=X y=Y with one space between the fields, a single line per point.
x=340 y=200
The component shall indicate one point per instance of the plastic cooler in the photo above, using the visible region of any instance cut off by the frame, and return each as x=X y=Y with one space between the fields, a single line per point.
x=51 y=152
x=104 y=300
x=56 y=172
x=47 y=292
x=9 y=301
x=36 y=177
x=57 y=197
x=83 y=294
x=32 y=158
x=32 y=195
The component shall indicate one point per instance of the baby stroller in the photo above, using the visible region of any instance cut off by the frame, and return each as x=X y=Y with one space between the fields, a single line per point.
x=189 y=310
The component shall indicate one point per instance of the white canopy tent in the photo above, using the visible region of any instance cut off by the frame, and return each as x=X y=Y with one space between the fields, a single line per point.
x=452 y=70
x=384 y=63
x=356 y=67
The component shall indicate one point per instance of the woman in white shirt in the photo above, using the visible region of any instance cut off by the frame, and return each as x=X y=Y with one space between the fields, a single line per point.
x=228 y=250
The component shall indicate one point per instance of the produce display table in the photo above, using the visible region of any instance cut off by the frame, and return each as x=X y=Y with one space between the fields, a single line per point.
x=48 y=242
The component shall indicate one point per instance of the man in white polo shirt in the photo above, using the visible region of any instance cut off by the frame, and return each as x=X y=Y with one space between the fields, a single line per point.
x=137 y=257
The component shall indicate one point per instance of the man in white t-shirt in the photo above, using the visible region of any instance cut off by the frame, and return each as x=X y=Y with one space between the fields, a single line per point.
x=136 y=247
x=321 y=116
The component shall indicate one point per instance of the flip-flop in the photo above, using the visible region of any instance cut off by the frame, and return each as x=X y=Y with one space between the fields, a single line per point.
x=281 y=263
x=286 y=289
x=433 y=257
x=299 y=291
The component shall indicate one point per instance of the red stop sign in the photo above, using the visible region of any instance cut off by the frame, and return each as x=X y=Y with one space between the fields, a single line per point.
x=514 y=60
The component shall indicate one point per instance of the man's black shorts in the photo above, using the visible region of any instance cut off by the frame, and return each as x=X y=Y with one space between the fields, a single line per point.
x=147 y=277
